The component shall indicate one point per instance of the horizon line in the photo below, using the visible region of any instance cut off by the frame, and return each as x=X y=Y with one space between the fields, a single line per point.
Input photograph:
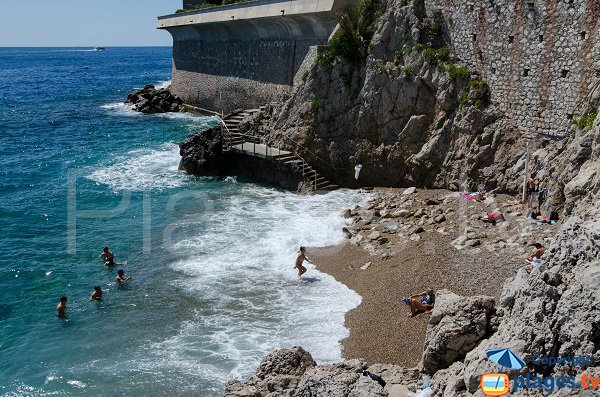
x=80 y=46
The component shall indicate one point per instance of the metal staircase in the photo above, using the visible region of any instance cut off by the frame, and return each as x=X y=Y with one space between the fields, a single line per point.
x=234 y=140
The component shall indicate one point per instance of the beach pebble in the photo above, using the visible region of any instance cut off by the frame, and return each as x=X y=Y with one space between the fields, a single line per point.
x=417 y=230
x=374 y=235
x=473 y=243
x=366 y=266
x=440 y=219
x=402 y=213
x=347 y=213
x=410 y=190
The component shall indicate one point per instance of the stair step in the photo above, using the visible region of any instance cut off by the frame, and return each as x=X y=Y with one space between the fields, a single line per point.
x=254 y=110
x=328 y=187
x=286 y=157
x=293 y=162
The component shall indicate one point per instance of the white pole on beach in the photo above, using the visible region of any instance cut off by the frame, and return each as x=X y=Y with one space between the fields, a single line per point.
x=526 y=170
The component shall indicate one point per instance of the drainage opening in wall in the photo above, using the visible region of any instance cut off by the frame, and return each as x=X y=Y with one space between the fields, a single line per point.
x=564 y=73
x=583 y=35
x=569 y=116
x=541 y=38
x=474 y=37
x=525 y=72
x=511 y=39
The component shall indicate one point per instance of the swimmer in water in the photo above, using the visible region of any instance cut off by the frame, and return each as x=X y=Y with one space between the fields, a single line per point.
x=121 y=279
x=109 y=258
x=62 y=306
x=97 y=294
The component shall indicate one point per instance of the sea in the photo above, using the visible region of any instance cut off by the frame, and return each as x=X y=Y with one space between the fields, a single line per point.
x=213 y=287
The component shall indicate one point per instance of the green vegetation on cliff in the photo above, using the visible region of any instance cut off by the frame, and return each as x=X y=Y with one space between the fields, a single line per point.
x=585 y=122
x=356 y=28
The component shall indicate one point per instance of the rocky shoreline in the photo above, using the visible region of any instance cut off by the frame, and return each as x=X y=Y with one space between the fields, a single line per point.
x=549 y=310
x=151 y=100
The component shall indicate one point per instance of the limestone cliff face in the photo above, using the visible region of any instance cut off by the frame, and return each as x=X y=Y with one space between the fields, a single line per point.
x=403 y=116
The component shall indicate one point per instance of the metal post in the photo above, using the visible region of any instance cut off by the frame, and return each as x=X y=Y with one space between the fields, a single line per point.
x=526 y=170
x=254 y=147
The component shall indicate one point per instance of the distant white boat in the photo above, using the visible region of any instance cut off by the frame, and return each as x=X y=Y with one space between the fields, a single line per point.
x=99 y=48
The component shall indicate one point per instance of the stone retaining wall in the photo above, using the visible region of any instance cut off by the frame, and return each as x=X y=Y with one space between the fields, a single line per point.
x=540 y=57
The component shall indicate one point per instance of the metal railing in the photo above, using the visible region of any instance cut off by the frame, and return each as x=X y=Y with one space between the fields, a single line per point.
x=308 y=173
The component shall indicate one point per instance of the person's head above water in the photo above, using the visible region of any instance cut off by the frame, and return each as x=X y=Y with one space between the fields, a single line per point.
x=302 y=249
x=63 y=299
x=105 y=249
x=97 y=288
x=121 y=272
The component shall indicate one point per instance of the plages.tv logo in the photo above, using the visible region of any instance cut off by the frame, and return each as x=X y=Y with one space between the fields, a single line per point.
x=498 y=384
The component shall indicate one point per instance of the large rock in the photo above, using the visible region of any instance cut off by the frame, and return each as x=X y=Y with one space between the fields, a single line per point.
x=151 y=100
x=456 y=326
x=202 y=152
x=277 y=375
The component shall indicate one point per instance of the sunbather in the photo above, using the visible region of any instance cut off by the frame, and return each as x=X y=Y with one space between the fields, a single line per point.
x=536 y=255
x=420 y=303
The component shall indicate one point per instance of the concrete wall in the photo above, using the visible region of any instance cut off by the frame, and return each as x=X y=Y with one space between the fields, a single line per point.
x=539 y=56
x=245 y=55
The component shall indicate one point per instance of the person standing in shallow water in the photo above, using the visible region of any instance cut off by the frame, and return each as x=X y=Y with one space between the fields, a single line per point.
x=300 y=260
x=121 y=279
x=109 y=258
x=62 y=307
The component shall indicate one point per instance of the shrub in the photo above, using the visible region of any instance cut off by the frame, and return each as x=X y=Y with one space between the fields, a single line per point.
x=434 y=30
x=356 y=29
x=457 y=72
x=477 y=91
x=305 y=75
x=443 y=54
x=314 y=102
x=398 y=56
x=407 y=72
x=403 y=3
x=585 y=122
x=325 y=57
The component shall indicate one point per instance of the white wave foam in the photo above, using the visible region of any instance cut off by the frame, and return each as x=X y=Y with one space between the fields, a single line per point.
x=240 y=264
x=143 y=169
x=162 y=84
x=121 y=108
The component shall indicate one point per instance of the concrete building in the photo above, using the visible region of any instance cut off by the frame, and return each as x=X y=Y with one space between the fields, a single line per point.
x=245 y=55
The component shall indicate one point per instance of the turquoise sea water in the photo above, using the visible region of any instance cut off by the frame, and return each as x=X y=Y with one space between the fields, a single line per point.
x=213 y=286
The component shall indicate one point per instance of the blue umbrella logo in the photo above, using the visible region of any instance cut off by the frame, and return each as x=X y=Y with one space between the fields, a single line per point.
x=505 y=358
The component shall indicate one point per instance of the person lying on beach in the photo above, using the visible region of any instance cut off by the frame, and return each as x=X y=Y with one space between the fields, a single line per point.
x=545 y=219
x=109 y=258
x=300 y=260
x=97 y=294
x=420 y=303
x=121 y=279
x=62 y=306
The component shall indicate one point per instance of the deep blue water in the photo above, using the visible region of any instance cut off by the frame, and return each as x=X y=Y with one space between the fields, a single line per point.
x=213 y=289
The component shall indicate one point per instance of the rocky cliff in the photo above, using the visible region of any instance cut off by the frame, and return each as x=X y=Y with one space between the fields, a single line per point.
x=411 y=114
